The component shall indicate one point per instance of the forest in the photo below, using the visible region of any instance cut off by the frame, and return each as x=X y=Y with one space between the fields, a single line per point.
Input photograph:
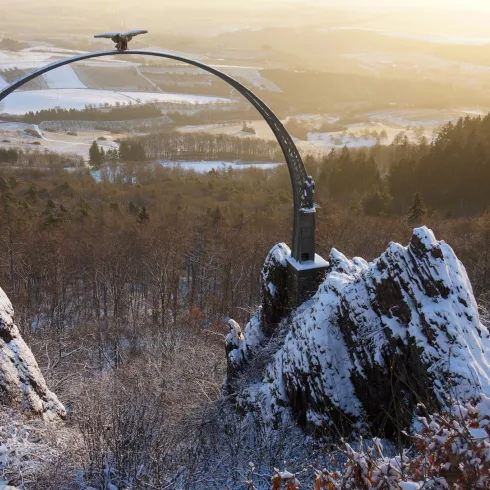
x=90 y=113
x=450 y=173
x=205 y=146
x=122 y=289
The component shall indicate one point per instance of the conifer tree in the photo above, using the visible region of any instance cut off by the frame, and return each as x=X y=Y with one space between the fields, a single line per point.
x=418 y=209
x=95 y=157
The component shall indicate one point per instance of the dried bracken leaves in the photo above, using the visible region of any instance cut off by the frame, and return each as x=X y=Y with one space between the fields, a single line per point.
x=451 y=451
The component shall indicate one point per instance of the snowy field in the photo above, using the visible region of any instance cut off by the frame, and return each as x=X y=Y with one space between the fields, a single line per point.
x=432 y=118
x=35 y=100
x=326 y=141
x=35 y=57
x=381 y=126
x=63 y=77
x=354 y=136
x=68 y=91
x=251 y=75
x=394 y=63
x=13 y=135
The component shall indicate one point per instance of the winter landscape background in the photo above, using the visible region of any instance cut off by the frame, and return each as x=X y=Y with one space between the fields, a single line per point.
x=146 y=335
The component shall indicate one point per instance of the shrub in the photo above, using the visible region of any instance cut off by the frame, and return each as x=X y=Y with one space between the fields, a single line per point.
x=452 y=450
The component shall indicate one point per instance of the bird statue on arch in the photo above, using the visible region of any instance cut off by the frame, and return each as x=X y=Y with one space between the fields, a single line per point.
x=121 y=38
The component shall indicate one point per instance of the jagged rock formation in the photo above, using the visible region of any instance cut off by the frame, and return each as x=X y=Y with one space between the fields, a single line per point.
x=22 y=385
x=274 y=283
x=375 y=340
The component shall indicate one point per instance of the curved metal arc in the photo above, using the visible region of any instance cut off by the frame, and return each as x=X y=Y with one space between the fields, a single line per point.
x=294 y=161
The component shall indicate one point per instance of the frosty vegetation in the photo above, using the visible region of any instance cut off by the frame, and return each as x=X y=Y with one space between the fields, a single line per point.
x=121 y=291
x=136 y=428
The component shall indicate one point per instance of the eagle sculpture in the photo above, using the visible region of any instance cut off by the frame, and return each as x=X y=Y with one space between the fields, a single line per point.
x=122 y=38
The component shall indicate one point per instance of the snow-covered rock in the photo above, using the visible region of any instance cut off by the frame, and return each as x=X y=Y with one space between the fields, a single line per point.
x=375 y=340
x=22 y=385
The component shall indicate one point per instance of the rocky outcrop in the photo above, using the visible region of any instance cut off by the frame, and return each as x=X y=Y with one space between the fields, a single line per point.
x=376 y=339
x=274 y=287
x=22 y=385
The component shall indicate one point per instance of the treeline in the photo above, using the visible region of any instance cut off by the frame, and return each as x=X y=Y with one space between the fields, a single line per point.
x=91 y=113
x=213 y=116
x=36 y=158
x=187 y=146
x=12 y=45
x=9 y=155
x=128 y=151
x=450 y=174
x=205 y=146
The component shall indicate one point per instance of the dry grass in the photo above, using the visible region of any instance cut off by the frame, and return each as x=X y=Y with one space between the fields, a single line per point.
x=38 y=455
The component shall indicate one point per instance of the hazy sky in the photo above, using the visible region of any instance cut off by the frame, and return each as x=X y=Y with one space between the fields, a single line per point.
x=467 y=5
x=453 y=4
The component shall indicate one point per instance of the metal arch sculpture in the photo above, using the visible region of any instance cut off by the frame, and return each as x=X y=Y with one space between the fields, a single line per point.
x=304 y=220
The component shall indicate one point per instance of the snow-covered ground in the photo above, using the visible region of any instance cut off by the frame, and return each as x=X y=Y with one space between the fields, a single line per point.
x=35 y=57
x=429 y=118
x=252 y=75
x=12 y=126
x=63 y=77
x=12 y=135
x=396 y=63
x=327 y=141
x=354 y=136
x=35 y=100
